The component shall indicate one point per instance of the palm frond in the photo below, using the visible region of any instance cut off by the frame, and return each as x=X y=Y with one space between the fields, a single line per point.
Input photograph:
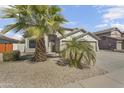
x=79 y=52
x=11 y=27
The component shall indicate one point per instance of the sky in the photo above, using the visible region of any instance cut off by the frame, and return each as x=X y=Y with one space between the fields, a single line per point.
x=89 y=17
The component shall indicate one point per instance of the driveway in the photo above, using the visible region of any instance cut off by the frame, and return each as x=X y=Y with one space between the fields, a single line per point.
x=110 y=61
x=113 y=62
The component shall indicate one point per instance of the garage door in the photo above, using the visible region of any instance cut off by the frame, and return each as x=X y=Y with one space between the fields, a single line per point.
x=6 y=48
x=94 y=45
x=119 y=45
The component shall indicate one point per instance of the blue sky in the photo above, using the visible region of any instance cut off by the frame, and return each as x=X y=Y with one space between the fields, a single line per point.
x=91 y=18
x=94 y=18
x=81 y=16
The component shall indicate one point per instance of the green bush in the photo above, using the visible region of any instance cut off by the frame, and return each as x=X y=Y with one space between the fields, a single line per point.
x=11 y=56
x=16 y=55
x=7 y=56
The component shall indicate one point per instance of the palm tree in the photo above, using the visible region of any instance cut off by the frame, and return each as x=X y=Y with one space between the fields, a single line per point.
x=78 y=53
x=36 y=21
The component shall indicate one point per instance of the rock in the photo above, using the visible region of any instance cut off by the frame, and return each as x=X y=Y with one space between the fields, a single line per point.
x=62 y=62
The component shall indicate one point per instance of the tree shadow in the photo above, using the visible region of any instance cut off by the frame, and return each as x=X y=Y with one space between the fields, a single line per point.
x=62 y=62
x=26 y=58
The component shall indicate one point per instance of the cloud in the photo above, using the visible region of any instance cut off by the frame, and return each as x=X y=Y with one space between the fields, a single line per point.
x=98 y=6
x=4 y=6
x=111 y=16
x=73 y=23
x=17 y=36
x=113 y=13
x=77 y=6
x=120 y=26
x=101 y=25
x=1 y=29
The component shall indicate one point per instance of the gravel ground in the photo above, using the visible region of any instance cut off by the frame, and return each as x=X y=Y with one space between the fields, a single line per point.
x=46 y=74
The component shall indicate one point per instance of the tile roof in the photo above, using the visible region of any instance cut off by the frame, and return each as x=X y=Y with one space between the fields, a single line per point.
x=5 y=39
x=72 y=29
x=117 y=38
x=107 y=30
x=71 y=33
x=88 y=33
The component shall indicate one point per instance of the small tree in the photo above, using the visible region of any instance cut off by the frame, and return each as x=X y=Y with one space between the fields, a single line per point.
x=78 y=53
x=35 y=21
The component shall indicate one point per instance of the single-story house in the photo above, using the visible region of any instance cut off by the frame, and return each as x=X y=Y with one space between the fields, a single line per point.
x=55 y=43
x=9 y=44
x=110 y=39
x=80 y=35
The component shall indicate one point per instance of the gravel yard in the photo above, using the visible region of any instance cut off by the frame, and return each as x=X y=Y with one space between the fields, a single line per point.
x=47 y=74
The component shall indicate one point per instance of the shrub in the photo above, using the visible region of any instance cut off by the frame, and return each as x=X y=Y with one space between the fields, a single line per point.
x=7 y=56
x=11 y=56
x=16 y=55
x=78 y=53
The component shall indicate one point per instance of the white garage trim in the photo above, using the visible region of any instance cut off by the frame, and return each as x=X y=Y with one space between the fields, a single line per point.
x=95 y=46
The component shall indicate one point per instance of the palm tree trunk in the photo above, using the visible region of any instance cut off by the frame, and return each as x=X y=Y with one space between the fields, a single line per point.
x=40 y=51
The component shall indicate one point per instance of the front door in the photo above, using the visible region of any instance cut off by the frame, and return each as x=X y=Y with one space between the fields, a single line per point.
x=53 y=47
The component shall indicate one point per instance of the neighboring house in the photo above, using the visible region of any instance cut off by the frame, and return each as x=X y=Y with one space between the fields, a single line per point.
x=55 y=43
x=110 y=39
x=8 y=44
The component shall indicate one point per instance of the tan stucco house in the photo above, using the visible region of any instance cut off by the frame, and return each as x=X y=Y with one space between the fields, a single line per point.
x=55 y=43
x=111 y=39
x=80 y=35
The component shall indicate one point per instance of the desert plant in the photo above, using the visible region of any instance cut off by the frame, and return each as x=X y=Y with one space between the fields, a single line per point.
x=78 y=53
x=11 y=56
x=35 y=21
x=16 y=55
x=7 y=56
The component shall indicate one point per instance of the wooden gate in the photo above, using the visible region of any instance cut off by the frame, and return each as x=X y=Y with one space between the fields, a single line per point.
x=6 y=48
x=2 y=48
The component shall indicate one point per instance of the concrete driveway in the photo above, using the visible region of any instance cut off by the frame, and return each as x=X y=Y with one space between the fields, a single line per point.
x=113 y=62
x=109 y=60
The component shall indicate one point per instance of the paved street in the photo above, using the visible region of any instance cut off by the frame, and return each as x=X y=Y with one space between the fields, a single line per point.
x=113 y=62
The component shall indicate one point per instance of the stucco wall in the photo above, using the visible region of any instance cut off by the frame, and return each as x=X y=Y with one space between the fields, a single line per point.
x=89 y=38
x=69 y=38
x=115 y=34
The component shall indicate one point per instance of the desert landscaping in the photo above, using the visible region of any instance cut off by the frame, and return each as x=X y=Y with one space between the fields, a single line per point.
x=43 y=74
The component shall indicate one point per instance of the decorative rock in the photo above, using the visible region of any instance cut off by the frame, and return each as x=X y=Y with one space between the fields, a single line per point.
x=62 y=62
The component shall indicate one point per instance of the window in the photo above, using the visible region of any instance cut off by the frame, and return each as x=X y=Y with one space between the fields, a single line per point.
x=32 y=43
